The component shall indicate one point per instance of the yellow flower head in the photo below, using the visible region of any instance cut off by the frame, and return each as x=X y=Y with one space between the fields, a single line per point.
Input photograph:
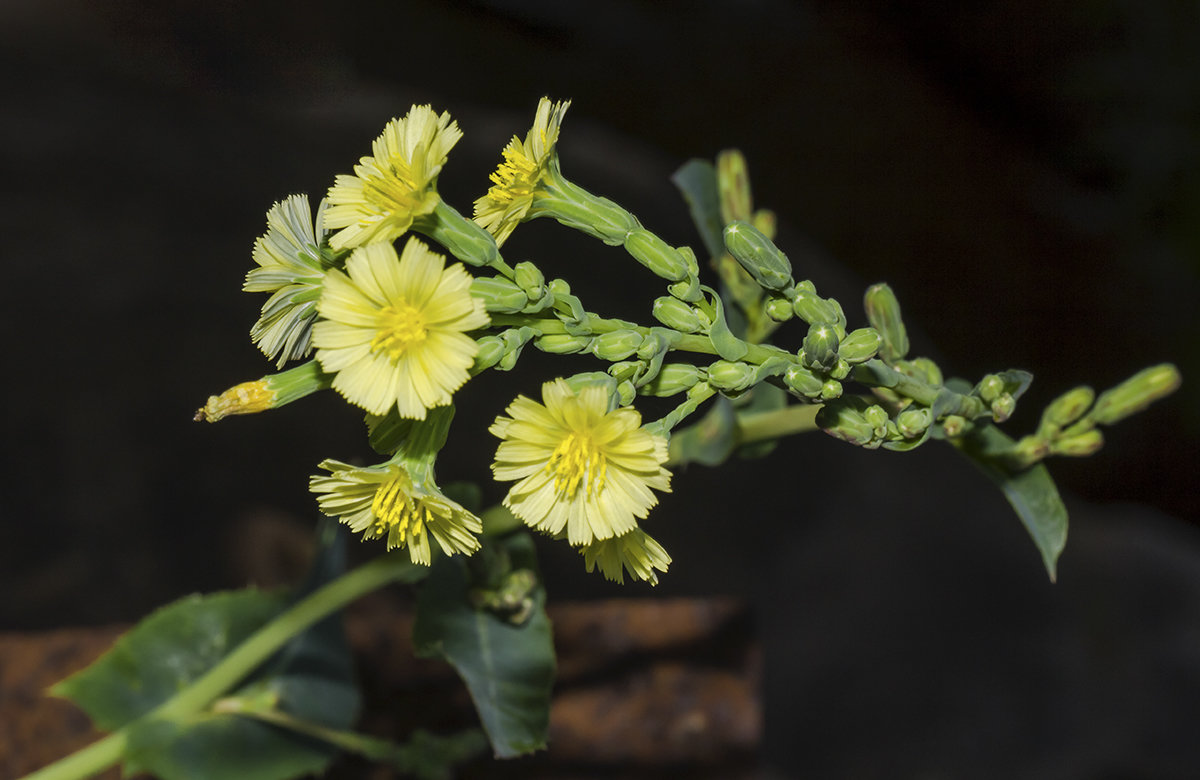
x=578 y=466
x=525 y=167
x=291 y=268
x=394 y=329
x=395 y=184
x=399 y=503
x=635 y=552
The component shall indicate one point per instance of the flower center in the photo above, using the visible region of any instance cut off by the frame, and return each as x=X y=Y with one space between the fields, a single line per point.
x=577 y=461
x=401 y=327
x=394 y=508
x=515 y=178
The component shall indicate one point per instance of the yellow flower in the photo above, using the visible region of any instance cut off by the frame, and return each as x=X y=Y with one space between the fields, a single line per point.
x=395 y=184
x=394 y=329
x=525 y=167
x=291 y=268
x=396 y=501
x=578 y=466
x=635 y=552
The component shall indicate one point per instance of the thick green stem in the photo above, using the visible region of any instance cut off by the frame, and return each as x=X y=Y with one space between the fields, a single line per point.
x=232 y=669
x=759 y=426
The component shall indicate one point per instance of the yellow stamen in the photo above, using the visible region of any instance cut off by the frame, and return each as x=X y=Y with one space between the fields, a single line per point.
x=397 y=513
x=577 y=460
x=401 y=327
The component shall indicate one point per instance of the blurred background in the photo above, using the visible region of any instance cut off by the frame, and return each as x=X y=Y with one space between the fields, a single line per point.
x=1026 y=176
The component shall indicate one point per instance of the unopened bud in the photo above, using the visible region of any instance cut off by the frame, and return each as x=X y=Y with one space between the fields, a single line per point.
x=674 y=378
x=654 y=253
x=491 y=349
x=821 y=346
x=730 y=376
x=562 y=343
x=756 y=253
x=498 y=294
x=626 y=393
x=1136 y=393
x=1079 y=446
x=840 y=371
x=831 y=389
x=676 y=314
x=921 y=368
x=811 y=307
x=877 y=418
x=764 y=221
x=911 y=423
x=860 y=345
x=616 y=345
x=624 y=370
x=802 y=381
x=883 y=312
x=779 y=309
x=1067 y=408
x=990 y=388
x=954 y=425
x=687 y=290
x=1003 y=407
x=530 y=279
x=845 y=419
x=733 y=186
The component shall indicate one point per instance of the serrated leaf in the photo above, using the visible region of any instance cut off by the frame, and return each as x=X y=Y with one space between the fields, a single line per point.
x=697 y=182
x=508 y=668
x=1031 y=493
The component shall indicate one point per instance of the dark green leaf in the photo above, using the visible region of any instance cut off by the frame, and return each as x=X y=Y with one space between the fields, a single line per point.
x=697 y=181
x=508 y=667
x=310 y=678
x=1030 y=492
x=728 y=346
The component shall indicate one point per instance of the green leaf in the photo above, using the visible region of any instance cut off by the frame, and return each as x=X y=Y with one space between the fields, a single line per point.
x=697 y=182
x=1031 y=492
x=709 y=441
x=309 y=678
x=508 y=667
x=762 y=398
x=728 y=346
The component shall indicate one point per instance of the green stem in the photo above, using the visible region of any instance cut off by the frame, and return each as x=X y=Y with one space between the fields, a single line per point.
x=775 y=424
x=233 y=668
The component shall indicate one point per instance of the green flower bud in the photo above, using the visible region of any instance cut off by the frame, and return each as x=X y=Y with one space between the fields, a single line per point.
x=812 y=308
x=676 y=314
x=498 y=294
x=758 y=255
x=821 y=346
x=779 y=309
x=1136 y=393
x=845 y=419
x=730 y=376
x=530 y=279
x=883 y=312
x=860 y=345
x=1003 y=407
x=616 y=345
x=654 y=253
x=626 y=393
x=877 y=418
x=733 y=185
x=831 y=389
x=954 y=425
x=840 y=371
x=911 y=423
x=674 y=378
x=562 y=343
x=990 y=388
x=1067 y=408
x=764 y=222
x=921 y=368
x=1080 y=446
x=802 y=382
x=687 y=290
x=624 y=370
x=491 y=349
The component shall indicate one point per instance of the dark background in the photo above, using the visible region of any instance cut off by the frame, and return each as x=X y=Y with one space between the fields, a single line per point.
x=1025 y=174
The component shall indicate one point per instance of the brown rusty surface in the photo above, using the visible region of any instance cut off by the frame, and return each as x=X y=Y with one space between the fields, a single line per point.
x=646 y=688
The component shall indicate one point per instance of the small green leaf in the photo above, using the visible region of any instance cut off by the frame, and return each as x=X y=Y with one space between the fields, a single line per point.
x=709 y=441
x=1031 y=492
x=697 y=182
x=508 y=666
x=728 y=346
